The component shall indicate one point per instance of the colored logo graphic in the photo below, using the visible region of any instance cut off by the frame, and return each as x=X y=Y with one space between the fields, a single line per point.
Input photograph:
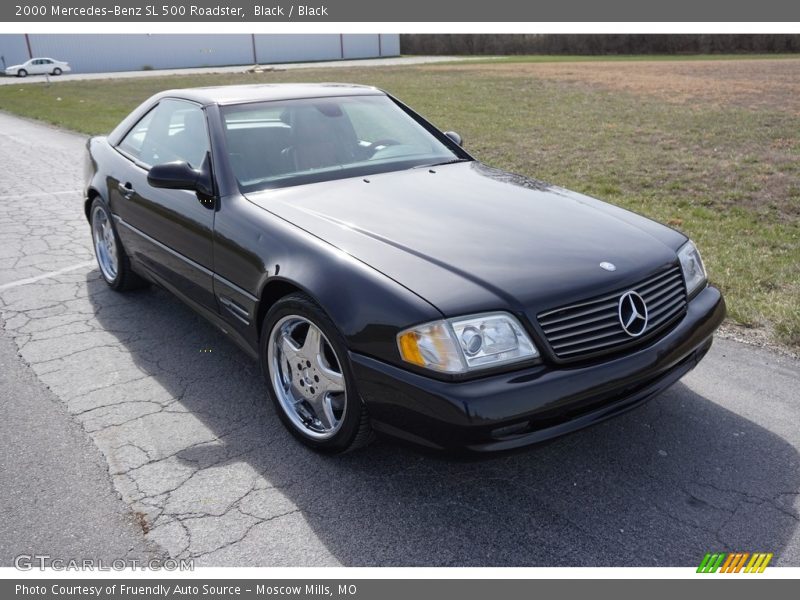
x=735 y=562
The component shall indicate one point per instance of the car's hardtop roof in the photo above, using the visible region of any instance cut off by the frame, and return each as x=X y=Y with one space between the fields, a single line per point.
x=265 y=92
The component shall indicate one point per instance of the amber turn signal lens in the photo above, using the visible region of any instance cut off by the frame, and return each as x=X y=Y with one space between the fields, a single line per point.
x=409 y=349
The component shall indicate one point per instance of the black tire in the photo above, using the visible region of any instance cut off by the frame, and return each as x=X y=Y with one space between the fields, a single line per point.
x=125 y=278
x=355 y=431
x=57 y=71
x=22 y=73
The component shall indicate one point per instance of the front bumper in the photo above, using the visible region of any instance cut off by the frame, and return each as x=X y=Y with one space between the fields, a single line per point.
x=501 y=412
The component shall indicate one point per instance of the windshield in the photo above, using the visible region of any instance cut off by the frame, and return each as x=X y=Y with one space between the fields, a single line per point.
x=290 y=142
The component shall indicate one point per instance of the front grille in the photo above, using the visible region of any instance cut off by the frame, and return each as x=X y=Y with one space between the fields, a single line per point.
x=592 y=327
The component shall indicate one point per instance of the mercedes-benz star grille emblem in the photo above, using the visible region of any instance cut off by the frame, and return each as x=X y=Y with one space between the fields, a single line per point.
x=632 y=314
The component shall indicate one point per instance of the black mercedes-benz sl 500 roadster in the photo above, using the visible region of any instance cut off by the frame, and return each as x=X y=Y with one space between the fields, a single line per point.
x=386 y=280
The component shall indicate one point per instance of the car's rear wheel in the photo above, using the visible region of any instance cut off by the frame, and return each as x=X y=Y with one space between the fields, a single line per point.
x=309 y=378
x=57 y=71
x=115 y=266
x=22 y=73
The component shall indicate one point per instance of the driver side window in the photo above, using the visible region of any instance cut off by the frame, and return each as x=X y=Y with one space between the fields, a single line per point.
x=174 y=130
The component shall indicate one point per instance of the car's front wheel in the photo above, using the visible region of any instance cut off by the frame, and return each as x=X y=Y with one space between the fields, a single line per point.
x=305 y=363
x=57 y=71
x=22 y=73
x=115 y=267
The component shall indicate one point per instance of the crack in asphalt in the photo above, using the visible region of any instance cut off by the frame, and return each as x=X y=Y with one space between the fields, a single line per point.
x=755 y=499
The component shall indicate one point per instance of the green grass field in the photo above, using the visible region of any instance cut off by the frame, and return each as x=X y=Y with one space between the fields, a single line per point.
x=725 y=173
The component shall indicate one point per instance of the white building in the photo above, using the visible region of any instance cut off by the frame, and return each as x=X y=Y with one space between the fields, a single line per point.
x=97 y=53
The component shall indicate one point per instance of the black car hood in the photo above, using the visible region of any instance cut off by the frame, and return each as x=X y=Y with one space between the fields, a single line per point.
x=467 y=237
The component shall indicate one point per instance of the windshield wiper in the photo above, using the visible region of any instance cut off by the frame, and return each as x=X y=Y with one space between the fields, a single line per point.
x=443 y=162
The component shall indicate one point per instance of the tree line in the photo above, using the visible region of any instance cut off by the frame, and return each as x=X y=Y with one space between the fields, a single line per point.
x=597 y=44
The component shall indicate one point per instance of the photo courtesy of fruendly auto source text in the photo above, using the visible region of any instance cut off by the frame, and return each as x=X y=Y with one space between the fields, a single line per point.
x=372 y=300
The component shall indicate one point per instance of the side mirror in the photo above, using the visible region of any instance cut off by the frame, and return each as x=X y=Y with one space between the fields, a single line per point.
x=178 y=176
x=454 y=137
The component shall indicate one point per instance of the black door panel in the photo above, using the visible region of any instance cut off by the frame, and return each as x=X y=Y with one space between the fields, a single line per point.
x=169 y=232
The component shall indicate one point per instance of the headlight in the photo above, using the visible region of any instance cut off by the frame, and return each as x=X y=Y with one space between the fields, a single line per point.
x=694 y=273
x=466 y=343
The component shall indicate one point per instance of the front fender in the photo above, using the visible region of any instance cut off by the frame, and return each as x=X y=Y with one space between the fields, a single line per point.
x=255 y=249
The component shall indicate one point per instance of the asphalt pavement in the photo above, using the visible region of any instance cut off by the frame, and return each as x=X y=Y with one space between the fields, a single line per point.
x=155 y=412
x=57 y=497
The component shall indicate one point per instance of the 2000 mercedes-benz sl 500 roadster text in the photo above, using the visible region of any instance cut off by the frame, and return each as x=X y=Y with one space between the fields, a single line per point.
x=385 y=279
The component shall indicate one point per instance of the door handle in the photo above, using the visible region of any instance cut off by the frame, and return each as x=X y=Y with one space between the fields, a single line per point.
x=126 y=189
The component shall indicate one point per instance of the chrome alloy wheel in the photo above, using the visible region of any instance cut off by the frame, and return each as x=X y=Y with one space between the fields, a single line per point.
x=105 y=244
x=307 y=377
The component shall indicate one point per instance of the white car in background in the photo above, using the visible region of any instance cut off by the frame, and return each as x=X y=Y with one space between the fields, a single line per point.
x=39 y=66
